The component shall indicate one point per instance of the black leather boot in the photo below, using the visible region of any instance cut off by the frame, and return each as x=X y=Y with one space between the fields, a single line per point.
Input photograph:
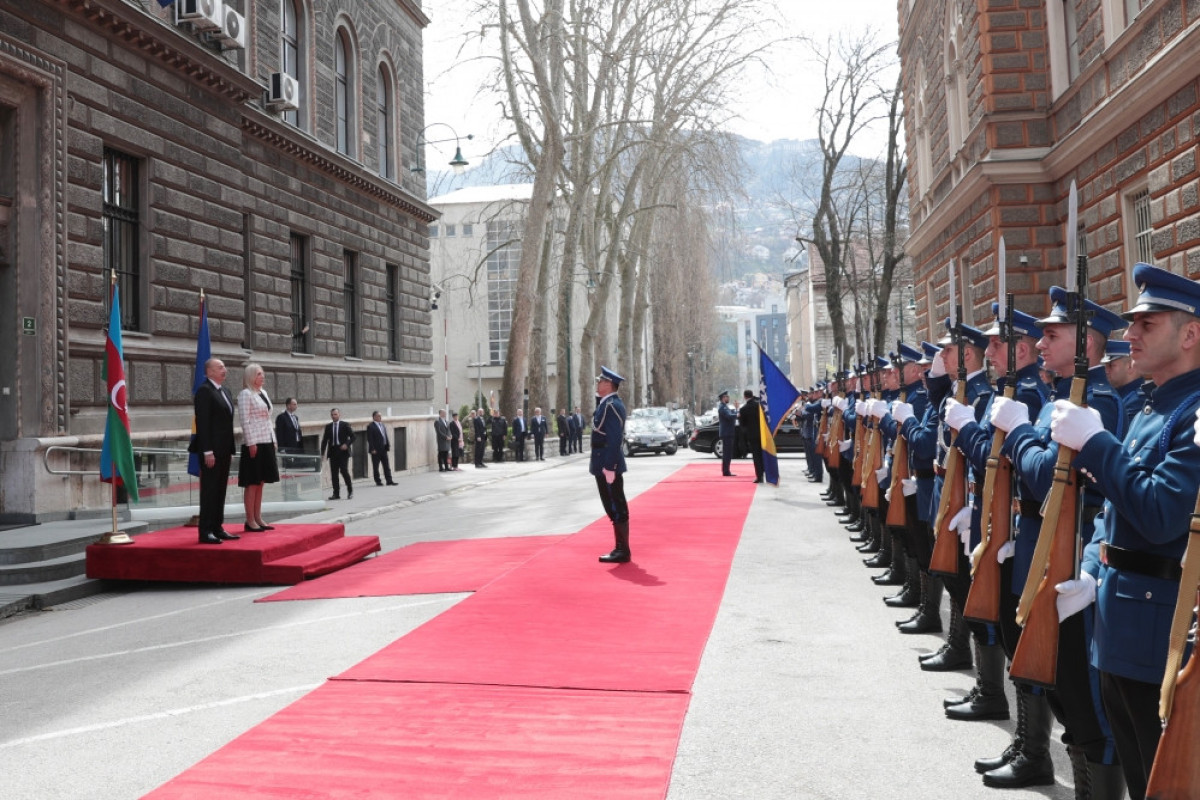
x=957 y=653
x=996 y=762
x=986 y=700
x=928 y=618
x=883 y=558
x=1095 y=781
x=910 y=595
x=1032 y=765
x=620 y=553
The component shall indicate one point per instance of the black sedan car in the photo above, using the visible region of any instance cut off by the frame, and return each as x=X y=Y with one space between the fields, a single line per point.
x=705 y=440
x=648 y=435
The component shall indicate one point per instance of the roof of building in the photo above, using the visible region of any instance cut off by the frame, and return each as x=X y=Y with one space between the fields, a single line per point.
x=484 y=194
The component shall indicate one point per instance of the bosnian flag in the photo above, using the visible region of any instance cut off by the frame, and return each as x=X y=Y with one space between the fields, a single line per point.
x=776 y=396
x=203 y=354
x=116 y=455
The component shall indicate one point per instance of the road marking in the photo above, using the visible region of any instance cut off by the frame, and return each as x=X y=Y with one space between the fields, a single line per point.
x=174 y=712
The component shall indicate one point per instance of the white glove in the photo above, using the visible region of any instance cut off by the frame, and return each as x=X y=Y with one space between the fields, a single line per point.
x=1008 y=414
x=901 y=412
x=1197 y=439
x=1072 y=426
x=860 y=408
x=881 y=475
x=878 y=408
x=610 y=475
x=839 y=403
x=888 y=495
x=1075 y=596
x=909 y=485
x=958 y=414
x=961 y=522
x=826 y=402
x=938 y=368
x=1006 y=551
x=845 y=444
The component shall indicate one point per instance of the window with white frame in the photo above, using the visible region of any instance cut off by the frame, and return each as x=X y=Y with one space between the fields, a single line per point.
x=343 y=93
x=1139 y=227
x=291 y=53
x=384 y=125
x=503 y=262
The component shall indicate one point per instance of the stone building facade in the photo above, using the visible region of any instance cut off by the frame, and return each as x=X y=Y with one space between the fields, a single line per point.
x=1007 y=102
x=134 y=145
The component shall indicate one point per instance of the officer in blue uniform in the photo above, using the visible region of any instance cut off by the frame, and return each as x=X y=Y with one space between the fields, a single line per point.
x=1149 y=481
x=1075 y=698
x=1123 y=376
x=726 y=432
x=810 y=425
x=885 y=389
x=608 y=461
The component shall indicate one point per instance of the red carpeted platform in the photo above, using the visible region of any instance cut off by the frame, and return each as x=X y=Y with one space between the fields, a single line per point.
x=461 y=565
x=286 y=555
x=427 y=741
x=563 y=620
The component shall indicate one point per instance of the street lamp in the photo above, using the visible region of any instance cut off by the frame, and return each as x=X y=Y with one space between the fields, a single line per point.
x=458 y=163
x=478 y=365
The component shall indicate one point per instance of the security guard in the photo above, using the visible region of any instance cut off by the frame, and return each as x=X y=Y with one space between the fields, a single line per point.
x=608 y=460
x=1149 y=480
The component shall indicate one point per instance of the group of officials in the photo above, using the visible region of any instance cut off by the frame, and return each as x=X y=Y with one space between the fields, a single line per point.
x=1135 y=442
x=495 y=429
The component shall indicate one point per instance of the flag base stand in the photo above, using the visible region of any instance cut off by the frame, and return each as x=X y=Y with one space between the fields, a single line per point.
x=115 y=537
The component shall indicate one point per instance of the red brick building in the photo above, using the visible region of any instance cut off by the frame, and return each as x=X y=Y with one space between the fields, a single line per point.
x=1007 y=102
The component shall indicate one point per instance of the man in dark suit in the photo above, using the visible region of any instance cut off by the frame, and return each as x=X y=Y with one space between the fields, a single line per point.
x=379 y=447
x=499 y=432
x=560 y=422
x=441 y=430
x=335 y=445
x=538 y=428
x=579 y=425
x=213 y=406
x=520 y=431
x=479 y=431
x=748 y=419
x=289 y=439
x=456 y=437
x=572 y=432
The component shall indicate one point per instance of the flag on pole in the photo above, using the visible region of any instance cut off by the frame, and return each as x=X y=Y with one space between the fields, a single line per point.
x=116 y=454
x=776 y=396
x=203 y=354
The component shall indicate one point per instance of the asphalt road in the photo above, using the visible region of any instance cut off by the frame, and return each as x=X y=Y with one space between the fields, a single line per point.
x=805 y=689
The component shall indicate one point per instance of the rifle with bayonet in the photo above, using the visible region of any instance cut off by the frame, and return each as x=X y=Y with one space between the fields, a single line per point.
x=836 y=425
x=944 y=559
x=1176 y=771
x=983 y=600
x=1057 y=556
x=860 y=433
x=873 y=458
x=897 y=515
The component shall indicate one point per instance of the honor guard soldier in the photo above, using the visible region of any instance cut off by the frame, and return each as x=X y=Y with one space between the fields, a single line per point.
x=1131 y=568
x=1033 y=454
x=1123 y=376
x=608 y=460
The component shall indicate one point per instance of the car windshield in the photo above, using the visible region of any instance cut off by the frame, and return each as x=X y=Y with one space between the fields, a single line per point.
x=645 y=425
x=654 y=412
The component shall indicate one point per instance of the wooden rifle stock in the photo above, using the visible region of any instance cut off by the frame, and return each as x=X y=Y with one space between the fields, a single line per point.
x=897 y=514
x=1176 y=771
x=944 y=559
x=860 y=445
x=835 y=436
x=1054 y=561
x=823 y=432
x=983 y=600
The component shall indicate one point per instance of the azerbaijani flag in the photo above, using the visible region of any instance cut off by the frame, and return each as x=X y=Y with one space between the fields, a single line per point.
x=116 y=455
x=776 y=396
x=203 y=354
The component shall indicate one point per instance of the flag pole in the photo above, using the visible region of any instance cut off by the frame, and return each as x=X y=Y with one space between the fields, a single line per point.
x=114 y=536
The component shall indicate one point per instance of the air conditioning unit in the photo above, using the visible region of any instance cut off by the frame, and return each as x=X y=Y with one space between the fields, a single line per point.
x=232 y=33
x=204 y=15
x=284 y=94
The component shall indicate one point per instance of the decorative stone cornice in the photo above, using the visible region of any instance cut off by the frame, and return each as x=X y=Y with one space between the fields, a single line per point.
x=288 y=140
x=168 y=45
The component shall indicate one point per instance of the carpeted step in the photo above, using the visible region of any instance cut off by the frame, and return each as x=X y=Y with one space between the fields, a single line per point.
x=319 y=560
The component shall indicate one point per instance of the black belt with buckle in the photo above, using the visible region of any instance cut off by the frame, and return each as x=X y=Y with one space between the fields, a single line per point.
x=924 y=474
x=1168 y=569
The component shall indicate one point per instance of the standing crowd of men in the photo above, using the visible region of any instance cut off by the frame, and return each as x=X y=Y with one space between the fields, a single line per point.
x=944 y=478
x=494 y=429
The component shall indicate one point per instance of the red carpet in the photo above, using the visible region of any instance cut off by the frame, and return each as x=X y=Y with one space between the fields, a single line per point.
x=286 y=555
x=462 y=565
x=423 y=741
x=498 y=697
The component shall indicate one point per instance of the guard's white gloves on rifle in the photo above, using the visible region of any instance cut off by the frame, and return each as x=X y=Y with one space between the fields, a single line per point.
x=977 y=555
x=610 y=475
x=901 y=412
x=878 y=408
x=1008 y=414
x=826 y=402
x=888 y=495
x=1197 y=426
x=1075 y=596
x=860 y=408
x=961 y=523
x=909 y=485
x=845 y=444
x=938 y=367
x=839 y=403
x=957 y=414
x=1006 y=551
x=1072 y=425
x=881 y=475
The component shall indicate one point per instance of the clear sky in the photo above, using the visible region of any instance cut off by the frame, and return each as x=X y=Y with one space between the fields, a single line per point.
x=774 y=105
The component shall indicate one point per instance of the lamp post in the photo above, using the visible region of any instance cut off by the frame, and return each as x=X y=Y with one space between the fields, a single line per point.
x=458 y=163
x=692 y=380
x=478 y=365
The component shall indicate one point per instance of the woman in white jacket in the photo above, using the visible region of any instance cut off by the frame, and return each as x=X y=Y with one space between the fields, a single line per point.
x=257 y=464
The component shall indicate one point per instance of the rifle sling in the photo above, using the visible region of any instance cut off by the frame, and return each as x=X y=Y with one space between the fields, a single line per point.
x=1182 y=620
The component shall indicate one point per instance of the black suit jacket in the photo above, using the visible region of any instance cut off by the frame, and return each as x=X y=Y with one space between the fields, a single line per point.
x=519 y=428
x=538 y=427
x=377 y=442
x=214 y=420
x=480 y=428
x=287 y=435
x=563 y=428
x=499 y=427
x=345 y=437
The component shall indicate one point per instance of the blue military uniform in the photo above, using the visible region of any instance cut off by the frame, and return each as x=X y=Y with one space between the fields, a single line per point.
x=726 y=432
x=607 y=464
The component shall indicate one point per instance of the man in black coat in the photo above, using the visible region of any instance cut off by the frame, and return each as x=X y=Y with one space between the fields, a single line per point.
x=335 y=445
x=572 y=432
x=379 y=446
x=520 y=430
x=538 y=427
x=560 y=423
x=748 y=418
x=479 y=431
x=288 y=436
x=499 y=432
x=579 y=426
x=213 y=406
x=456 y=437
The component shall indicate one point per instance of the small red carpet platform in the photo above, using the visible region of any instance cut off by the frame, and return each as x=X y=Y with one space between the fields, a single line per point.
x=461 y=565
x=286 y=555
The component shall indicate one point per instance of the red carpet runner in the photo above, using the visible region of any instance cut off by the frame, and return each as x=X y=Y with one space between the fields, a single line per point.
x=498 y=697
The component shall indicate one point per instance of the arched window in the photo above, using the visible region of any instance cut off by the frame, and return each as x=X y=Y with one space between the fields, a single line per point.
x=290 y=54
x=957 y=116
x=923 y=170
x=343 y=93
x=384 y=124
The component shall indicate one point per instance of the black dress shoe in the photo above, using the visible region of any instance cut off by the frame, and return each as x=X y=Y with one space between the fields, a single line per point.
x=379 y=483
x=833 y=503
x=349 y=495
x=252 y=529
x=335 y=497
x=209 y=538
x=267 y=528
x=951 y=661
x=226 y=537
x=856 y=527
x=393 y=483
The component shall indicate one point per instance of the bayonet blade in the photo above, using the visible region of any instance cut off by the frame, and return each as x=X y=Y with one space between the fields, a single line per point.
x=1072 y=237
x=1002 y=282
x=953 y=298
